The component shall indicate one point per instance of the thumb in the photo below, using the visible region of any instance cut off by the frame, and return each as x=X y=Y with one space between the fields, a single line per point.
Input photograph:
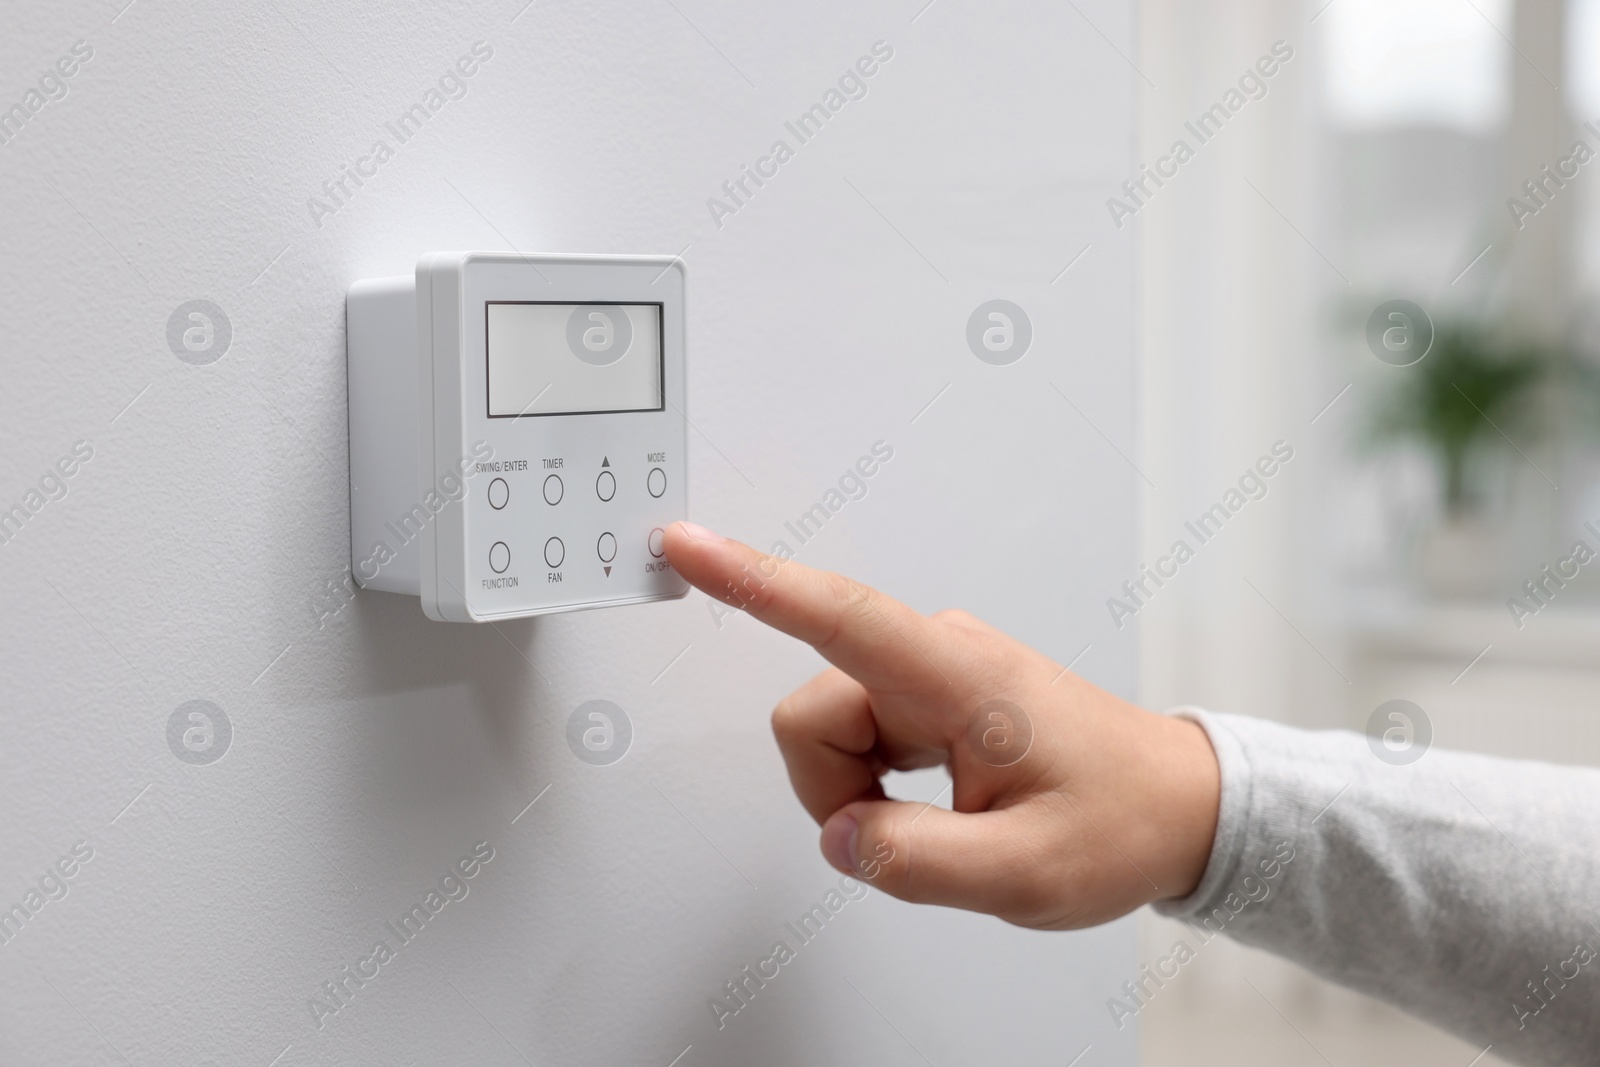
x=929 y=855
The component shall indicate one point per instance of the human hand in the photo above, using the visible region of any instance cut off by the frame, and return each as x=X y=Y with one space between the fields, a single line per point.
x=1109 y=807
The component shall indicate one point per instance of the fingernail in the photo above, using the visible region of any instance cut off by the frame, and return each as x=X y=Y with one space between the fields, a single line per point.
x=839 y=842
x=695 y=532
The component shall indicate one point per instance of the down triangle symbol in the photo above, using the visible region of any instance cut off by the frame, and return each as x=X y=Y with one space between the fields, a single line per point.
x=605 y=461
x=608 y=572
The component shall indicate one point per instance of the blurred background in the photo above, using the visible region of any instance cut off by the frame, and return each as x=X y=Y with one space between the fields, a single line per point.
x=1387 y=161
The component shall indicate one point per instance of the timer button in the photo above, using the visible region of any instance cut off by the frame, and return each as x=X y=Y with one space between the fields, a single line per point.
x=499 y=493
x=553 y=489
x=657 y=482
x=499 y=557
x=606 y=547
x=606 y=485
x=657 y=542
x=554 y=552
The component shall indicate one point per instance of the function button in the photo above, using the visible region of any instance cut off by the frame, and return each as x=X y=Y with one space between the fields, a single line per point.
x=657 y=542
x=553 y=489
x=499 y=493
x=606 y=485
x=499 y=557
x=657 y=481
x=554 y=552
x=607 y=547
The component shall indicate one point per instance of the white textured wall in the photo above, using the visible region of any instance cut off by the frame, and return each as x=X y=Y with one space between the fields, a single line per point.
x=192 y=557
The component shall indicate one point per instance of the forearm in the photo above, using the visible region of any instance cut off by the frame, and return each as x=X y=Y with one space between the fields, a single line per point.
x=1459 y=888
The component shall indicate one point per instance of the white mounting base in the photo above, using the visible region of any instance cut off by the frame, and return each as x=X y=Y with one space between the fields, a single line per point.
x=381 y=361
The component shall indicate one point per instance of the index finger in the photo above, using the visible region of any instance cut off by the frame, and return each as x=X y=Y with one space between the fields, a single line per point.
x=879 y=641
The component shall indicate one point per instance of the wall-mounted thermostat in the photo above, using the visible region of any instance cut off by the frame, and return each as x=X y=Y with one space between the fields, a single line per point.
x=517 y=432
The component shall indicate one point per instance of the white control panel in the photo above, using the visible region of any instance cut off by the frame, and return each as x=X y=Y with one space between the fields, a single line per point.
x=517 y=432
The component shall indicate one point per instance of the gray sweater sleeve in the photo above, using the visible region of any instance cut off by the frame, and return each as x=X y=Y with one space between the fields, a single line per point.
x=1462 y=889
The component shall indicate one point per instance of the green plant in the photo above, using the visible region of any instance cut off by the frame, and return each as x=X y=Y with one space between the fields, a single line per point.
x=1472 y=389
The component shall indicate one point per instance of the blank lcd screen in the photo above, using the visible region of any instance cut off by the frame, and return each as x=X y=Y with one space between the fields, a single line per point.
x=573 y=359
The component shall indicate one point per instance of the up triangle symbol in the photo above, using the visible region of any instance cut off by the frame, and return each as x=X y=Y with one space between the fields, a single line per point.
x=605 y=461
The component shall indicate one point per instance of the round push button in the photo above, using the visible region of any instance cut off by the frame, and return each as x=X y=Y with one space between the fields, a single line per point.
x=499 y=557
x=499 y=493
x=657 y=542
x=657 y=482
x=553 y=489
x=607 y=547
x=606 y=485
x=554 y=552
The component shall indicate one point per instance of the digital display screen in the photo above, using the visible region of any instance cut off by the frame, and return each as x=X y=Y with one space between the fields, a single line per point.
x=573 y=359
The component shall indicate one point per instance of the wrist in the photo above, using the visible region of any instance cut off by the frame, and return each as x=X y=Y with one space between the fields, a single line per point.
x=1188 y=787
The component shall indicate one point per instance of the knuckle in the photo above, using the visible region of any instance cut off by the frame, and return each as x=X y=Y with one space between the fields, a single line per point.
x=956 y=616
x=857 y=597
x=1031 y=889
x=786 y=721
x=1027 y=900
x=752 y=591
x=855 y=607
x=883 y=854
